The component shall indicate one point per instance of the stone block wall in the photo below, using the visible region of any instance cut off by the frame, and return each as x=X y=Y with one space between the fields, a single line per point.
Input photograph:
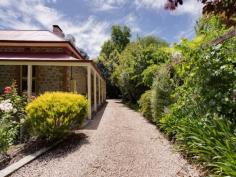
x=50 y=78
x=8 y=74
x=80 y=75
x=58 y=78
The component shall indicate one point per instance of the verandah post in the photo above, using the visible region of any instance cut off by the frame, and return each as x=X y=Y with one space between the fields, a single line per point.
x=99 y=91
x=89 y=91
x=102 y=90
x=29 y=82
x=95 y=90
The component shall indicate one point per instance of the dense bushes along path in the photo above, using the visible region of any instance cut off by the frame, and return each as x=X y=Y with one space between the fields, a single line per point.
x=118 y=143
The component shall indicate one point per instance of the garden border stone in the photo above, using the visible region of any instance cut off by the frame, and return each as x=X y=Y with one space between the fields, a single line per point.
x=27 y=159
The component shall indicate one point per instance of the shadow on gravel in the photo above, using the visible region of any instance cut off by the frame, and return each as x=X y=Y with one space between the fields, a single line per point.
x=72 y=143
x=93 y=125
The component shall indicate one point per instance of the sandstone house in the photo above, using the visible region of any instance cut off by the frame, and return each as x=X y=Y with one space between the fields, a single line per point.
x=42 y=61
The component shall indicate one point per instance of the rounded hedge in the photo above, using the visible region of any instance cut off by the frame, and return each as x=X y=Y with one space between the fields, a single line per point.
x=53 y=114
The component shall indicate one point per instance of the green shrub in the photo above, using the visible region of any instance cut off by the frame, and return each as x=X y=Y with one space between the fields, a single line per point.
x=9 y=131
x=167 y=124
x=3 y=139
x=12 y=114
x=210 y=141
x=136 y=69
x=161 y=95
x=202 y=121
x=52 y=115
x=145 y=104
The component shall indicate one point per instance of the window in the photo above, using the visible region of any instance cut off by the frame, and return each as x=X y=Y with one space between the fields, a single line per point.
x=24 y=72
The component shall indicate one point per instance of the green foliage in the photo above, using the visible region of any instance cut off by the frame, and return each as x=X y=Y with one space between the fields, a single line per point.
x=136 y=69
x=107 y=65
x=107 y=48
x=120 y=36
x=210 y=27
x=152 y=40
x=9 y=130
x=145 y=104
x=12 y=116
x=122 y=62
x=4 y=143
x=209 y=80
x=193 y=92
x=202 y=121
x=210 y=141
x=108 y=59
x=132 y=63
x=148 y=75
x=163 y=87
x=53 y=114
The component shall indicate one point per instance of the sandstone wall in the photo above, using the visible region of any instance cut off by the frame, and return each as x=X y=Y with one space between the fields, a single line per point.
x=8 y=74
x=80 y=75
x=50 y=78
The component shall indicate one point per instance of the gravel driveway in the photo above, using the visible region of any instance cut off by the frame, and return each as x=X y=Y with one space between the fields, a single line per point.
x=119 y=142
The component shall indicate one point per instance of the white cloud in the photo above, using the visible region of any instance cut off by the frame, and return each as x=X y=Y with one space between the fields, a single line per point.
x=34 y=14
x=150 y=4
x=4 y=3
x=106 y=5
x=190 y=7
x=131 y=21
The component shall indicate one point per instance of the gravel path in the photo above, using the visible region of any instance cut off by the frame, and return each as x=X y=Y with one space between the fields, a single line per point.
x=119 y=142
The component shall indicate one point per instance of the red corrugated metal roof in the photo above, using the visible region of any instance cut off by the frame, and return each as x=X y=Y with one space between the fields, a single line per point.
x=28 y=35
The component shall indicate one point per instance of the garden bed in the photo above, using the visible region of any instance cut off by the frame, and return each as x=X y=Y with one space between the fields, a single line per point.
x=20 y=155
x=22 y=119
x=17 y=152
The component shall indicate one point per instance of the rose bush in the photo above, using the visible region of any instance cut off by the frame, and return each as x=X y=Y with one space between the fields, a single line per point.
x=12 y=116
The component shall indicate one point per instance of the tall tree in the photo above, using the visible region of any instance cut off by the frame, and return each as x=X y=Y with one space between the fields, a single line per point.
x=120 y=36
x=109 y=56
x=137 y=66
x=152 y=40
x=107 y=48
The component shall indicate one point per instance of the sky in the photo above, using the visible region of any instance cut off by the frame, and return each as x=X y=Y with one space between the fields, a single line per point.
x=90 y=21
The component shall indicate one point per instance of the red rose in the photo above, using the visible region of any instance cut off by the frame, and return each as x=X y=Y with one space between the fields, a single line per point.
x=7 y=90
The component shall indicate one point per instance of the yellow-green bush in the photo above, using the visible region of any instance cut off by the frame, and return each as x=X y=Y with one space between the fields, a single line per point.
x=53 y=114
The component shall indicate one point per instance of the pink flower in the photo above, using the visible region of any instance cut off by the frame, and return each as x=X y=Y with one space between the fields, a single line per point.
x=7 y=90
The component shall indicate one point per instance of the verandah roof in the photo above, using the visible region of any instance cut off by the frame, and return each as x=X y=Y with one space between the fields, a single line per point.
x=45 y=59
